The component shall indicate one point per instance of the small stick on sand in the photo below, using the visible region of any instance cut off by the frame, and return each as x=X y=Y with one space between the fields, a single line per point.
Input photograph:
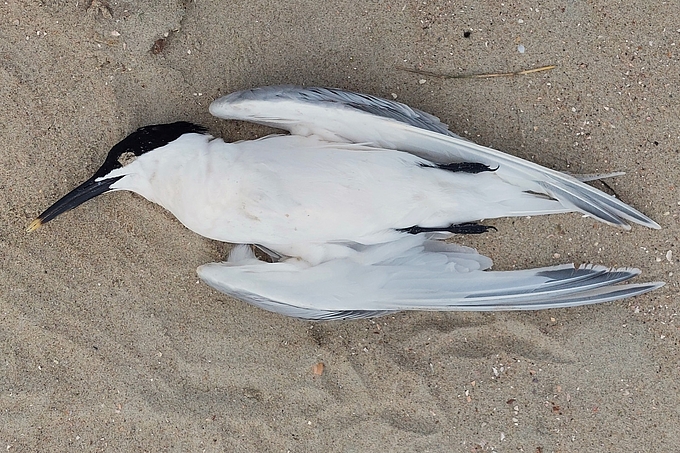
x=477 y=76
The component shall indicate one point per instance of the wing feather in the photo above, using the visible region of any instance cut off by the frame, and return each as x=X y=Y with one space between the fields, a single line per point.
x=338 y=115
x=425 y=275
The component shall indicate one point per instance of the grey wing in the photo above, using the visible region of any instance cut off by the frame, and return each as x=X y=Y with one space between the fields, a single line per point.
x=342 y=116
x=432 y=276
x=331 y=97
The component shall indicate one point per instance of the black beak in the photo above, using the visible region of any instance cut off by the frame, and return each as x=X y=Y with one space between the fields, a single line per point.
x=86 y=191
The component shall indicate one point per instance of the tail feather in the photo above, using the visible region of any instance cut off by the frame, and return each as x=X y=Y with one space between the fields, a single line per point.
x=596 y=176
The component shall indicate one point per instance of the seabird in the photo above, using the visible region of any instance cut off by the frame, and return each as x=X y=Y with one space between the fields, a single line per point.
x=353 y=207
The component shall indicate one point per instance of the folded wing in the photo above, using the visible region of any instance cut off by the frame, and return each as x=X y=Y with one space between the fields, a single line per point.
x=337 y=115
x=411 y=274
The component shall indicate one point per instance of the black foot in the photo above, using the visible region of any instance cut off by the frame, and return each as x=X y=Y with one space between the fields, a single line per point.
x=464 y=167
x=461 y=228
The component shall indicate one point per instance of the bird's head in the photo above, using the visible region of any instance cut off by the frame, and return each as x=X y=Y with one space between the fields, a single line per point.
x=141 y=141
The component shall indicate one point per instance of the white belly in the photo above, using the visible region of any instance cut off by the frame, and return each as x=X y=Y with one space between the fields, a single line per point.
x=285 y=190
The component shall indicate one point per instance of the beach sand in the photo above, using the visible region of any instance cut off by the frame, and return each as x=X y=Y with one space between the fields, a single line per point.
x=108 y=341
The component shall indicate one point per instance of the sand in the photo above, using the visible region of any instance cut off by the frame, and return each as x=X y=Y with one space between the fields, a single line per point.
x=109 y=343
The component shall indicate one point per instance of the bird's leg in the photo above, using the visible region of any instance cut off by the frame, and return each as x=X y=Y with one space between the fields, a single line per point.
x=461 y=228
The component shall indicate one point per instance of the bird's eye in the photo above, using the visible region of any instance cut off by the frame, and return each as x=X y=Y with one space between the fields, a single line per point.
x=126 y=158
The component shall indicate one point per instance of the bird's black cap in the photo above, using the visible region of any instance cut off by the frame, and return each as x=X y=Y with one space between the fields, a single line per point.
x=145 y=139
x=139 y=142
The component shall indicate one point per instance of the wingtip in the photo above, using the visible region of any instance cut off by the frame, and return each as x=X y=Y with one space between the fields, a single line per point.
x=653 y=225
x=645 y=222
x=656 y=285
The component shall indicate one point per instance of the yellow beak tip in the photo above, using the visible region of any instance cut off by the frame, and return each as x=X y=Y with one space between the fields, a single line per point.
x=34 y=225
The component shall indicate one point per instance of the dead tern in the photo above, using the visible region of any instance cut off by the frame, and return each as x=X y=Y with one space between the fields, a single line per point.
x=353 y=206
